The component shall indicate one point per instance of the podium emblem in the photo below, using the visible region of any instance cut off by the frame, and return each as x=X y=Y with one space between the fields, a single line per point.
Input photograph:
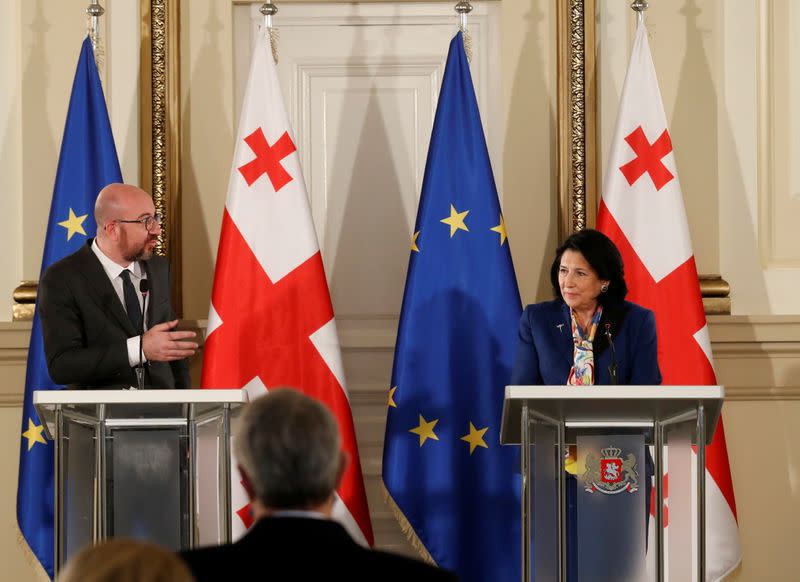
x=610 y=473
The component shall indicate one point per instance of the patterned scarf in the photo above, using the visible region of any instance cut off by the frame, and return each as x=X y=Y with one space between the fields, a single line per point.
x=582 y=372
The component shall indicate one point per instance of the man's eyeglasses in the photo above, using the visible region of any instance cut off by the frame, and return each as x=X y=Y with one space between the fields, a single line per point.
x=149 y=222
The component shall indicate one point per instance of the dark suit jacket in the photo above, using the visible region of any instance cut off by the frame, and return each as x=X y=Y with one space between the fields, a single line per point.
x=298 y=548
x=85 y=326
x=545 y=348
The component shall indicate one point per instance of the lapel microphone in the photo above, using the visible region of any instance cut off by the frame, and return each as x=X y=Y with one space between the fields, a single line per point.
x=612 y=368
x=144 y=289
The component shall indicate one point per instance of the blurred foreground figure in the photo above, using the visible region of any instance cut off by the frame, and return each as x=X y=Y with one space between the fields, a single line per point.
x=289 y=453
x=123 y=560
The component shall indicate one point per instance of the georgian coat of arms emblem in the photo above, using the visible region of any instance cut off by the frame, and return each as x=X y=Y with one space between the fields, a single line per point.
x=610 y=473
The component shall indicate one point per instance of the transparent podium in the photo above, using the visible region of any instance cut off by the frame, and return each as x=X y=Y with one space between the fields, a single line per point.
x=586 y=479
x=145 y=464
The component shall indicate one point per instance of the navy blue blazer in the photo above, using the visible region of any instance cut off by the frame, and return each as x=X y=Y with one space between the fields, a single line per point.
x=545 y=348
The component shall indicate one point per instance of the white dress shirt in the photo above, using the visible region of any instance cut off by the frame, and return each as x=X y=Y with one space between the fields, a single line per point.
x=113 y=271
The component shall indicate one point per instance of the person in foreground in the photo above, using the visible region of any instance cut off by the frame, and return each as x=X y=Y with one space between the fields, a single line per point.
x=122 y=560
x=588 y=335
x=289 y=453
x=90 y=303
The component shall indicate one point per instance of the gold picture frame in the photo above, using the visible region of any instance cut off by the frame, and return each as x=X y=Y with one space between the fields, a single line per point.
x=577 y=116
x=160 y=126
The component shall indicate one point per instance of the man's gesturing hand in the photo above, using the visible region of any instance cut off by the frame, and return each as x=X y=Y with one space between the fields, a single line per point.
x=160 y=344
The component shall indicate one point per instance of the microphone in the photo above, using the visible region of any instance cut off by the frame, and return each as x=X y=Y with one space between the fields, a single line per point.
x=612 y=368
x=144 y=289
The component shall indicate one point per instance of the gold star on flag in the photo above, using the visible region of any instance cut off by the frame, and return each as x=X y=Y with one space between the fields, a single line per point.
x=456 y=220
x=34 y=434
x=501 y=230
x=391 y=397
x=414 y=246
x=425 y=430
x=73 y=224
x=475 y=438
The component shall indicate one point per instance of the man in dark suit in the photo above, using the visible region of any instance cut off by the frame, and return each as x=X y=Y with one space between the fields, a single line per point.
x=289 y=453
x=90 y=303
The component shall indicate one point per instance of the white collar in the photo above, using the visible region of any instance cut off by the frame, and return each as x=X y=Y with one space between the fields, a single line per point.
x=297 y=513
x=112 y=269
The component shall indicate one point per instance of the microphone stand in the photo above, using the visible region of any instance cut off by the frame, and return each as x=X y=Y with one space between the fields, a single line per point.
x=612 y=368
x=144 y=288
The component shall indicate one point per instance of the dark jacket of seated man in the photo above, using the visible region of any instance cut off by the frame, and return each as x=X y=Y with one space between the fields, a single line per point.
x=90 y=339
x=289 y=453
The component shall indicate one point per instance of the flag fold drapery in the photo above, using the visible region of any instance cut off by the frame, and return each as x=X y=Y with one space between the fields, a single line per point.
x=271 y=321
x=642 y=212
x=452 y=485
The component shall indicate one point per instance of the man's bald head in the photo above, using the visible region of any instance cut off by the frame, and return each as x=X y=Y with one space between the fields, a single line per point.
x=114 y=202
x=123 y=233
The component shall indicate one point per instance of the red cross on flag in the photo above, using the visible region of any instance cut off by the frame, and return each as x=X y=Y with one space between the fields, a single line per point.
x=642 y=212
x=271 y=321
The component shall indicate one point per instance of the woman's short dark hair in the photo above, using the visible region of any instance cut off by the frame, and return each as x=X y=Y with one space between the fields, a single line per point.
x=602 y=255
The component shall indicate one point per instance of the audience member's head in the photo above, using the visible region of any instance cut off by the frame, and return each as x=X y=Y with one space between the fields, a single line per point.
x=123 y=560
x=289 y=452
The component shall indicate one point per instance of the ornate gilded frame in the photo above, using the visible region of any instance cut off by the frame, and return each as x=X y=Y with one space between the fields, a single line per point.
x=160 y=125
x=577 y=100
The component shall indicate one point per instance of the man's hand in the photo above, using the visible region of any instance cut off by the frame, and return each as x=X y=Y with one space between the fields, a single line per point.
x=160 y=344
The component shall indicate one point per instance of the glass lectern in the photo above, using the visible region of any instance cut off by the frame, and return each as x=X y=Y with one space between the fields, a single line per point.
x=146 y=464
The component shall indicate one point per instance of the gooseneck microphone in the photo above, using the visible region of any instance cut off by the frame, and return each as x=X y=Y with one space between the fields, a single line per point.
x=612 y=368
x=144 y=289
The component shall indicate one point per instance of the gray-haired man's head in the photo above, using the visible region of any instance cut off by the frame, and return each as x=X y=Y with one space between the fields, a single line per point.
x=289 y=448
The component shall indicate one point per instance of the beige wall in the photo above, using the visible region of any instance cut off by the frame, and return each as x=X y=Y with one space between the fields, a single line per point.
x=10 y=159
x=705 y=100
x=707 y=55
x=728 y=73
x=40 y=45
x=529 y=162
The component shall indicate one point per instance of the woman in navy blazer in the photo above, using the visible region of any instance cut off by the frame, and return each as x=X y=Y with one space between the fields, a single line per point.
x=587 y=272
x=589 y=284
x=545 y=349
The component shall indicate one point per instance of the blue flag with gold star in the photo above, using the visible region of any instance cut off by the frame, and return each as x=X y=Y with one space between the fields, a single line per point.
x=454 y=488
x=87 y=162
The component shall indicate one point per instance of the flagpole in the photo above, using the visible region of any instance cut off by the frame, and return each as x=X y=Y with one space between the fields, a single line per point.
x=463 y=8
x=639 y=6
x=94 y=11
x=268 y=9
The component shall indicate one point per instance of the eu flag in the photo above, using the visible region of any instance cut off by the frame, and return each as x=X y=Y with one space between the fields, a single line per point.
x=455 y=490
x=87 y=163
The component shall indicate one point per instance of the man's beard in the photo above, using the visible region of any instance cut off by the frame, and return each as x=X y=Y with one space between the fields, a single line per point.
x=140 y=254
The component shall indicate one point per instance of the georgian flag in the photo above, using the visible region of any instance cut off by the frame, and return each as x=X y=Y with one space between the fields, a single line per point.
x=642 y=211
x=271 y=321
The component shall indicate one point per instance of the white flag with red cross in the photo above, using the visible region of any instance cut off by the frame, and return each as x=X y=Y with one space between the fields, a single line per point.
x=642 y=212
x=271 y=320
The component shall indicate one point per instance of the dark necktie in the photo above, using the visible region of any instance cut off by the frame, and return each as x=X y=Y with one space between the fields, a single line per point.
x=131 y=301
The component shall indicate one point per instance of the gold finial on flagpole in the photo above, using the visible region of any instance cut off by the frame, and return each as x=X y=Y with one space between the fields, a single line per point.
x=268 y=9
x=93 y=13
x=462 y=9
x=639 y=6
